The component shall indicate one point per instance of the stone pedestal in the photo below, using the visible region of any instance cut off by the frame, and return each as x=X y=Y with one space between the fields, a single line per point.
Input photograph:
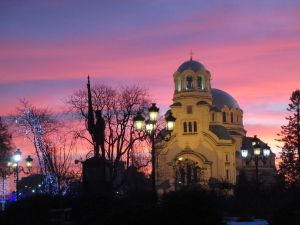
x=94 y=180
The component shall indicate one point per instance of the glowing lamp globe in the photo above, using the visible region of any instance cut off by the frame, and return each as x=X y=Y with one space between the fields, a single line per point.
x=244 y=153
x=17 y=156
x=9 y=163
x=153 y=112
x=149 y=126
x=256 y=149
x=29 y=162
x=267 y=152
x=170 y=122
x=138 y=122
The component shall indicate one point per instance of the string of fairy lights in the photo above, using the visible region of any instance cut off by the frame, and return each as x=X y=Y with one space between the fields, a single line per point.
x=31 y=124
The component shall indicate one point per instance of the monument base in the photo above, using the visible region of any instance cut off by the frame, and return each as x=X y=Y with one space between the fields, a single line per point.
x=94 y=181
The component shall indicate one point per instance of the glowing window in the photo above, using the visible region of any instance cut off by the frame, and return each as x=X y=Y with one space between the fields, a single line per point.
x=189 y=82
x=178 y=84
x=200 y=83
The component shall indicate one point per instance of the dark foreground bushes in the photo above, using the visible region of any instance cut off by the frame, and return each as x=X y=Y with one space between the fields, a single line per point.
x=201 y=207
x=175 y=208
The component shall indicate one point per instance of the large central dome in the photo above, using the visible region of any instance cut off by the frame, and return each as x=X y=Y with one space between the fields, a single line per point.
x=192 y=65
x=222 y=98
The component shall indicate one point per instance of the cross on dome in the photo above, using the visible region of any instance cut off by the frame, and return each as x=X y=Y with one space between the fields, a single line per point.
x=191 y=54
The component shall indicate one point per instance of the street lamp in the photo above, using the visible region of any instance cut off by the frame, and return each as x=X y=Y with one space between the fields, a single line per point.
x=17 y=156
x=29 y=162
x=153 y=113
x=150 y=126
x=139 y=122
x=170 y=122
x=257 y=146
x=15 y=169
x=267 y=151
x=244 y=153
x=150 y=123
x=256 y=151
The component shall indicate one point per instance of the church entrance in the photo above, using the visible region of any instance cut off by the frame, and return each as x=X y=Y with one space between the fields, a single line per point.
x=188 y=173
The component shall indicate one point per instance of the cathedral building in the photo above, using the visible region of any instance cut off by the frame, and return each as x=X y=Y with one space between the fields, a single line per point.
x=208 y=134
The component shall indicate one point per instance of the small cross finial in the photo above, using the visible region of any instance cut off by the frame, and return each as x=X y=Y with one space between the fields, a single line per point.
x=191 y=54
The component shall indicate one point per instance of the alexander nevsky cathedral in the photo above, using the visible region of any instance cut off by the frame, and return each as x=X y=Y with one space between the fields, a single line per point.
x=209 y=140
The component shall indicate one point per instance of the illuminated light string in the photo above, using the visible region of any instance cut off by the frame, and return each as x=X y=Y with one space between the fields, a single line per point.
x=3 y=190
x=32 y=124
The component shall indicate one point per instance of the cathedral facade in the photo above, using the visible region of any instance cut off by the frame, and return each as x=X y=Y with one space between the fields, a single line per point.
x=208 y=134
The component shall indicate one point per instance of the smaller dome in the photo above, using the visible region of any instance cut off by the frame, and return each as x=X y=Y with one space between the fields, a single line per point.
x=192 y=65
x=222 y=98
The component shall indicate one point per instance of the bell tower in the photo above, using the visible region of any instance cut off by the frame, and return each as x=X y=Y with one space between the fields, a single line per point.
x=192 y=80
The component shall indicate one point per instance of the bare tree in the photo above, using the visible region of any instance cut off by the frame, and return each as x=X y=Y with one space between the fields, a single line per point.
x=119 y=106
x=5 y=152
x=61 y=161
x=48 y=120
x=24 y=124
x=52 y=149
x=5 y=141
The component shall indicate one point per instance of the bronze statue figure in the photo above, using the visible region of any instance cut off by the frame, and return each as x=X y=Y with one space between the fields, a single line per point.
x=100 y=132
x=97 y=130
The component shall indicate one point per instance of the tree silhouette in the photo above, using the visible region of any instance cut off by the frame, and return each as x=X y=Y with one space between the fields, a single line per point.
x=53 y=149
x=118 y=105
x=5 y=152
x=290 y=136
x=5 y=141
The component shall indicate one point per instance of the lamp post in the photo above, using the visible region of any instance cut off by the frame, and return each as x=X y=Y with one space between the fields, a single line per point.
x=258 y=147
x=139 y=121
x=15 y=169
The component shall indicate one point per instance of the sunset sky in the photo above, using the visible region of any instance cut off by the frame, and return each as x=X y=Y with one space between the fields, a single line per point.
x=251 y=48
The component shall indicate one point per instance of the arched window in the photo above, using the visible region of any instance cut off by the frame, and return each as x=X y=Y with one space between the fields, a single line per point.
x=178 y=84
x=224 y=117
x=195 y=126
x=213 y=117
x=190 y=127
x=184 y=127
x=189 y=82
x=231 y=117
x=200 y=83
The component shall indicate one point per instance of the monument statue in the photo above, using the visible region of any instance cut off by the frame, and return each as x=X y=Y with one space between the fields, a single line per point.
x=94 y=168
x=97 y=130
x=100 y=132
